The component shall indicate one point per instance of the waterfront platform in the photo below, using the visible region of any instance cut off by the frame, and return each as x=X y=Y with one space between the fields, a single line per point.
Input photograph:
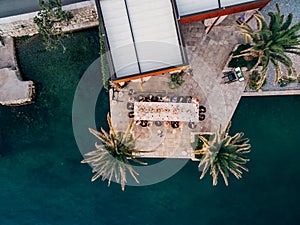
x=207 y=55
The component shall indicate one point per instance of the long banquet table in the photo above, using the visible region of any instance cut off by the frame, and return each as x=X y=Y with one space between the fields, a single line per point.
x=166 y=111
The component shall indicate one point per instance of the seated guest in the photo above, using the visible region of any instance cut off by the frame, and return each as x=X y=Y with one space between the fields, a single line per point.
x=131 y=114
x=181 y=99
x=155 y=99
x=130 y=106
x=174 y=99
x=201 y=117
x=144 y=123
x=131 y=91
x=132 y=99
x=192 y=125
x=202 y=109
x=149 y=98
x=174 y=124
x=166 y=99
x=158 y=123
x=141 y=98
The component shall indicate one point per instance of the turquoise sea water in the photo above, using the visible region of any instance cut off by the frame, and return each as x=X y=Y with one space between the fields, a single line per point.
x=42 y=181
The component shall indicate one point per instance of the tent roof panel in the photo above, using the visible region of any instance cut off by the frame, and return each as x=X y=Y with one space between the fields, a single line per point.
x=186 y=7
x=142 y=35
x=120 y=37
x=153 y=23
x=234 y=2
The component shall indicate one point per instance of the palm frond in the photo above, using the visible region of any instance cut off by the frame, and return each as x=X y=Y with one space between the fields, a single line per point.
x=271 y=41
x=287 y=23
x=112 y=130
x=223 y=154
x=111 y=159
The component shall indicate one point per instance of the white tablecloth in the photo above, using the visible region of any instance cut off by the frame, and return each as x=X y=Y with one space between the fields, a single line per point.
x=166 y=111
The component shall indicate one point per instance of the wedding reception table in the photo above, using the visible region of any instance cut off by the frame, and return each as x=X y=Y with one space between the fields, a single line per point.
x=167 y=111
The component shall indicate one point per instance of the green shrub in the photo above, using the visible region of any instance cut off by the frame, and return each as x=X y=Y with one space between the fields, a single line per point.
x=285 y=80
x=104 y=62
x=253 y=79
x=176 y=80
x=198 y=143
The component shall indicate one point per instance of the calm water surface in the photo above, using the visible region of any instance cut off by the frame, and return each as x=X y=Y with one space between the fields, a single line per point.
x=42 y=181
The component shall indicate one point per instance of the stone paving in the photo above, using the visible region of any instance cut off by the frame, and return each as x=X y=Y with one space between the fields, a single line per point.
x=208 y=55
x=166 y=141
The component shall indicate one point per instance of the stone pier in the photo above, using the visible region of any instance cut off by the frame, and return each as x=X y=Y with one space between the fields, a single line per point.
x=13 y=90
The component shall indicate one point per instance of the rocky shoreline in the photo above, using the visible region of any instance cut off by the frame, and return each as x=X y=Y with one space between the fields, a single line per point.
x=13 y=90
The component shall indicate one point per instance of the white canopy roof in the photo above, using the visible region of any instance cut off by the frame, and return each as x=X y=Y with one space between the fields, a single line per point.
x=187 y=7
x=142 y=35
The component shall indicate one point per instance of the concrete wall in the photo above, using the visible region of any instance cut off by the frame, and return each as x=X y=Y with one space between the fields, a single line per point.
x=85 y=16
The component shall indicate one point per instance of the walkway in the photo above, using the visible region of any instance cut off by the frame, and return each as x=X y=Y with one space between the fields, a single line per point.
x=208 y=54
x=271 y=93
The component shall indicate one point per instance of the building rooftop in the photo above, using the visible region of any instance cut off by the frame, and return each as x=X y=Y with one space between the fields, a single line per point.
x=143 y=36
x=188 y=7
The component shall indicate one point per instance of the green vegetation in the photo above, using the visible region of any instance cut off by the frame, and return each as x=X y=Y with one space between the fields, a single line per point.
x=198 y=143
x=50 y=20
x=254 y=78
x=270 y=43
x=222 y=154
x=112 y=157
x=104 y=63
x=176 y=80
x=248 y=62
x=285 y=80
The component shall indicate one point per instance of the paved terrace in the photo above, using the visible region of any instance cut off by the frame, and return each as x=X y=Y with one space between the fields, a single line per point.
x=208 y=55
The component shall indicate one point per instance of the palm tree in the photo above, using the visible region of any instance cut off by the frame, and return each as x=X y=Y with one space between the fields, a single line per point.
x=112 y=157
x=222 y=154
x=271 y=42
